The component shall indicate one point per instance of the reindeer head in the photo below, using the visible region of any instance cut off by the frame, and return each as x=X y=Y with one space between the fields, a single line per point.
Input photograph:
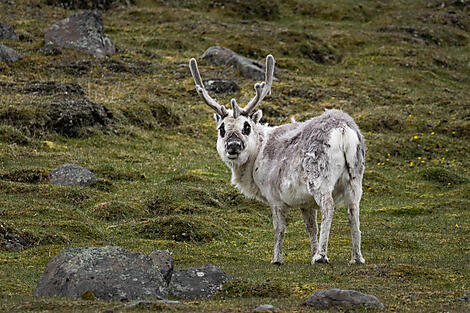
x=237 y=127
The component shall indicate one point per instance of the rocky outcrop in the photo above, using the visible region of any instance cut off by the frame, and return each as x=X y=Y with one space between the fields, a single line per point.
x=196 y=283
x=72 y=175
x=107 y=273
x=115 y=274
x=249 y=68
x=8 y=54
x=339 y=297
x=82 y=31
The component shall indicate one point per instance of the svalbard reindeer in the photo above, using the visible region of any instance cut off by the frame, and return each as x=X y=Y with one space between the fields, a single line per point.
x=314 y=164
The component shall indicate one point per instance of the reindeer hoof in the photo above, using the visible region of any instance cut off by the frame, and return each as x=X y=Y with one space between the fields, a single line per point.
x=276 y=263
x=318 y=258
x=357 y=261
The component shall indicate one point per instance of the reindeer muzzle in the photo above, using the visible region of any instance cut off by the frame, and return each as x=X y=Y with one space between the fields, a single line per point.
x=234 y=145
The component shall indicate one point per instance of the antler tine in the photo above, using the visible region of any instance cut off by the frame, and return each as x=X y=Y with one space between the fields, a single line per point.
x=221 y=110
x=262 y=89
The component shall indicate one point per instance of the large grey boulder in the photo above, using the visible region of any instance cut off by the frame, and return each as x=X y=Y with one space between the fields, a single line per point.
x=82 y=31
x=7 y=32
x=197 y=283
x=8 y=54
x=72 y=175
x=339 y=297
x=223 y=56
x=109 y=273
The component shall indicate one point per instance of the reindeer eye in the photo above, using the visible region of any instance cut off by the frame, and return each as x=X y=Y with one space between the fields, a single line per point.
x=222 y=130
x=246 y=129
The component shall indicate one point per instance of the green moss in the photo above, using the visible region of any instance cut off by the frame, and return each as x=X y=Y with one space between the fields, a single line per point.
x=180 y=228
x=244 y=9
x=115 y=211
x=26 y=175
x=399 y=68
x=9 y=135
x=408 y=210
x=442 y=176
x=244 y=288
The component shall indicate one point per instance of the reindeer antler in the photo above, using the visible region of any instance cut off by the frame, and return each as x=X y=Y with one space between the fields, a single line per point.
x=262 y=89
x=221 y=110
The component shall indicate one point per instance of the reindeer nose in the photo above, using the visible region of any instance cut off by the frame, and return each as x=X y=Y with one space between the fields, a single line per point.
x=234 y=144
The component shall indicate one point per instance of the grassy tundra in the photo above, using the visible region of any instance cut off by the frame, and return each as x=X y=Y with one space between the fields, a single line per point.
x=401 y=69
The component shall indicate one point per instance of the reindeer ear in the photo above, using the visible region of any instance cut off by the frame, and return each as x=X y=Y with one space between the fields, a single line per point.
x=256 y=117
x=217 y=117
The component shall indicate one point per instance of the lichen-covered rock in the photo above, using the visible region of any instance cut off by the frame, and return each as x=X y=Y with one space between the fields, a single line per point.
x=110 y=273
x=249 y=68
x=72 y=175
x=196 y=283
x=82 y=31
x=221 y=86
x=339 y=297
x=164 y=261
x=8 y=54
x=7 y=32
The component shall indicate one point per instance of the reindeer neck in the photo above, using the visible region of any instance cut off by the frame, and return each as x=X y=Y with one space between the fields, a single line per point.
x=242 y=175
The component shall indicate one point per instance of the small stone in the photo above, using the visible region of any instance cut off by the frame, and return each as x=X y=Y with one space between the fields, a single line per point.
x=12 y=242
x=72 y=175
x=338 y=297
x=266 y=308
x=7 y=32
x=8 y=54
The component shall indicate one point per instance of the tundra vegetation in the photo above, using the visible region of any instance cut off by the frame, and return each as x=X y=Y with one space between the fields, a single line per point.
x=400 y=69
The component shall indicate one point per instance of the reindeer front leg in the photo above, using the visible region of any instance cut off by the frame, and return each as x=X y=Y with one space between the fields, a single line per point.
x=279 y=223
x=327 y=208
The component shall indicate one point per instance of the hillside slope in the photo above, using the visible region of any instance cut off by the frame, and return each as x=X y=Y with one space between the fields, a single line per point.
x=401 y=69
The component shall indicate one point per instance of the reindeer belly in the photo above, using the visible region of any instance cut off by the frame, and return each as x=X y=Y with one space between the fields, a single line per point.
x=294 y=192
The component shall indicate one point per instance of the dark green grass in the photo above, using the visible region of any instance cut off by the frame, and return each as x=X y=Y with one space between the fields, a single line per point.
x=400 y=69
